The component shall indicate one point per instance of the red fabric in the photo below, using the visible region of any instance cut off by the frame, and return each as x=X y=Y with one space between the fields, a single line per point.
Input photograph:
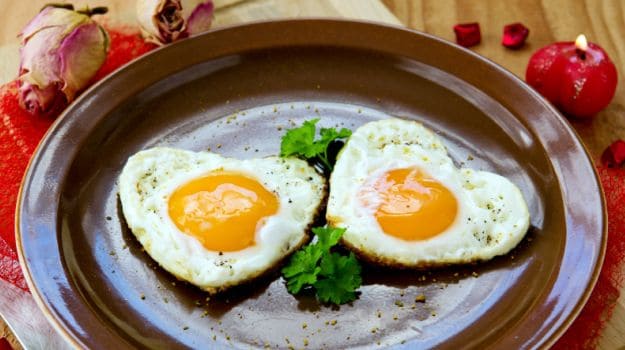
x=4 y=344
x=585 y=331
x=21 y=132
x=19 y=137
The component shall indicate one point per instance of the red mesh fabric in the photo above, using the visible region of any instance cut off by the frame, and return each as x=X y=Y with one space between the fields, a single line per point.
x=585 y=331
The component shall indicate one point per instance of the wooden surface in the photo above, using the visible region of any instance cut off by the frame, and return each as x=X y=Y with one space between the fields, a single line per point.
x=603 y=22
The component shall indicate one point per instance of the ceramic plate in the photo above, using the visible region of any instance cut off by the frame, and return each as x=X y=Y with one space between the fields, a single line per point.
x=234 y=91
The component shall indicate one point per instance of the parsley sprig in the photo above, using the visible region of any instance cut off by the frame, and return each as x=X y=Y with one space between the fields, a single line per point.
x=335 y=277
x=300 y=142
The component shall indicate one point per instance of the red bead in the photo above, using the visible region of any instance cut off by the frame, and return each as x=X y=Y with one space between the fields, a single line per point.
x=468 y=34
x=578 y=83
x=514 y=35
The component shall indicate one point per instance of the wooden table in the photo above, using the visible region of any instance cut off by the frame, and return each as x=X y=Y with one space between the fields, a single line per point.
x=603 y=22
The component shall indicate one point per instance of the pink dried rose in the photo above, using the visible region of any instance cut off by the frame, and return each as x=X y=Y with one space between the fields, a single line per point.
x=165 y=21
x=61 y=50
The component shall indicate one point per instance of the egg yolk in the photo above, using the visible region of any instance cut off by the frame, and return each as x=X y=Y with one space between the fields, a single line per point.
x=222 y=210
x=413 y=205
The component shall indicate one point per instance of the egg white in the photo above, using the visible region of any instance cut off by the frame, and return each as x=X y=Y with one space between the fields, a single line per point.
x=151 y=176
x=492 y=215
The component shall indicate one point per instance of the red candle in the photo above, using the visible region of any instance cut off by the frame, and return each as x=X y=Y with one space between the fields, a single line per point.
x=577 y=77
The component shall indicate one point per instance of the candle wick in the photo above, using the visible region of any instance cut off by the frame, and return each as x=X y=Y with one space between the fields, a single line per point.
x=581 y=54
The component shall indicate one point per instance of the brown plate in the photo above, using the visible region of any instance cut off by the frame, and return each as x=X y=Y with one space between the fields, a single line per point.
x=232 y=90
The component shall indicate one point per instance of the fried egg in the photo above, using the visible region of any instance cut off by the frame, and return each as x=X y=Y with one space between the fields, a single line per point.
x=405 y=203
x=217 y=222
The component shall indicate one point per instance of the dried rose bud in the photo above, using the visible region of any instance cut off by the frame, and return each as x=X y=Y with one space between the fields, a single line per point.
x=614 y=155
x=514 y=35
x=468 y=34
x=61 y=50
x=165 y=21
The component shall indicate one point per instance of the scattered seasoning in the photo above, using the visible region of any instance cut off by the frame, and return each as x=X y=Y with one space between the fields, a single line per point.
x=333 y=322
x=379 y=314
x=185 y=328
x=111 y=253
x=109 y=218
x=305 y=341
x=474 y=274
x=399 y=303
x=419 y=298
x=374 y=330
x=395 y=317
x=304 y=325
x=142 y=296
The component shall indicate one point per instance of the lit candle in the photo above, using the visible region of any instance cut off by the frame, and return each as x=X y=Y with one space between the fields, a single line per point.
x=577 y=77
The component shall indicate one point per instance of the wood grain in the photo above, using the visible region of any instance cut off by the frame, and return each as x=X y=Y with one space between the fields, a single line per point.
x=603 y=21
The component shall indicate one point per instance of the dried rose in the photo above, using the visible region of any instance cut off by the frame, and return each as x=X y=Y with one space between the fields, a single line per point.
x=514 y=35
x=165 y=21
x=468 y=34
x=61 y=50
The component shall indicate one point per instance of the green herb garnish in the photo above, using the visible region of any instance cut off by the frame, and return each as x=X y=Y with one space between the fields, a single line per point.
x=335 y=277
x=300 y=142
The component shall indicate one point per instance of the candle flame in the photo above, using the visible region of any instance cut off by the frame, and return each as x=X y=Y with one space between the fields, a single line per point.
x=581 y=43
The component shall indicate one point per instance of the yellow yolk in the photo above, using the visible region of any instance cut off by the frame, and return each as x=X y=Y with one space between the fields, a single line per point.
x=222 y=210
x=413 y=206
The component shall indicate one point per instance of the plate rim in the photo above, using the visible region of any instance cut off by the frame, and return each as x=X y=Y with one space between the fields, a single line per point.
x=547 y=341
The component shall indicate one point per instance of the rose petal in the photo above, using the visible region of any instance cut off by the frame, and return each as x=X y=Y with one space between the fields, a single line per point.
x=514 y=35
x=49 y=17
x=47 y=101
x=614 y=155
x=468 y=34
x=201 y=18
x=81 y=53
x=39 y=65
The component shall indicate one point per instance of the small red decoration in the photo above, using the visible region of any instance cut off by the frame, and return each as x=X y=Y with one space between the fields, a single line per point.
x=577 y=77
x=468 y=34
x=514 y=35
x=614 y=155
